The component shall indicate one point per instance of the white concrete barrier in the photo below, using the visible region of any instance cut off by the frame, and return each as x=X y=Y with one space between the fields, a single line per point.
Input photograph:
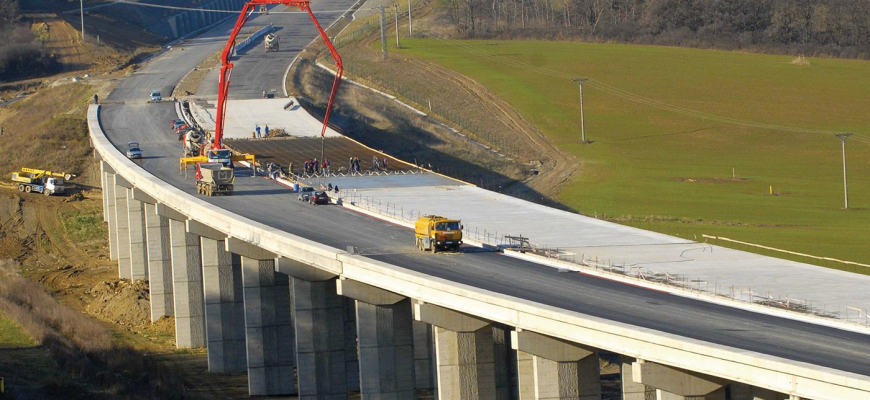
x=781 y=375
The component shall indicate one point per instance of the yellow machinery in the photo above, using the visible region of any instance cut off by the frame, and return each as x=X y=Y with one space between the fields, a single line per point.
x=40 y=181
x=432 y=233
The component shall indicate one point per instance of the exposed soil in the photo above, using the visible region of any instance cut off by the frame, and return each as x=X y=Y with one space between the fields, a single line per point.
x=498 y=149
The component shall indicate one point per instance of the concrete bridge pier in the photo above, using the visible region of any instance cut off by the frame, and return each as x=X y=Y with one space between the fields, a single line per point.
x=138 y=250
x=109 y=210
x=424 y=371
x=269 y=332
x=561 y=370
x=321 y=334
x=186 y=281
x=122 y=227
x=222 y=295
x=631 y=390
x=386 y=348
x=466 y=355
x=158 y=256
x=678 y=384
x=104 y=185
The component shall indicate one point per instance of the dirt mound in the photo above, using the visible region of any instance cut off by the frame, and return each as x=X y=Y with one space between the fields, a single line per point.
x=121 y=302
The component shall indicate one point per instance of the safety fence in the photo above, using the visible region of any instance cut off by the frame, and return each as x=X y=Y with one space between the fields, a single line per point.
x=567 y=261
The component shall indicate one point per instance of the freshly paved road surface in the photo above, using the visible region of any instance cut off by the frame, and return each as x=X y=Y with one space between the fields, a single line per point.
x=261 y=200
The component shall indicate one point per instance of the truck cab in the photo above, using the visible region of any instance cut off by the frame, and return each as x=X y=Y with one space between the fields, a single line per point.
x=433 y=232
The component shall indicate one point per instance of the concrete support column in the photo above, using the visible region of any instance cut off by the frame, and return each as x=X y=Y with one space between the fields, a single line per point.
x=561 y=370
x=104 y=187
x=159 y=263
x=386 y=351
x=268 y=321
x=224 y=308
x=351 y=346
x=187 y=286
x=122 y=229
x=631 y=390
x=678 y=384
x=111 y=215
x=526 y=375
x=465 y=352
x=320 y=340
x=424 y=352
x=138 y=250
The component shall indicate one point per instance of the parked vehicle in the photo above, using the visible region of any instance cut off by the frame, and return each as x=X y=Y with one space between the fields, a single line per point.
x=155 y=97
x=432 y=233
x=304 y=193
x=318 y=198
x=133 y=150
x=176 y=122
x=40 y=181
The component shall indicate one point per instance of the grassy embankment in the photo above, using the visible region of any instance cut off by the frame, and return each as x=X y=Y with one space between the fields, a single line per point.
x=670 y=171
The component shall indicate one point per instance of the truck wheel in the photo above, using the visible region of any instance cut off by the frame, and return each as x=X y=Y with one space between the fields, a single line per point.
x=28 y=189
x=46 y=192
x=20 y=188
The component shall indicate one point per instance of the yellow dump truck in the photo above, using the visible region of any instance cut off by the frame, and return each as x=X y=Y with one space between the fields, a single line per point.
x=433 y=233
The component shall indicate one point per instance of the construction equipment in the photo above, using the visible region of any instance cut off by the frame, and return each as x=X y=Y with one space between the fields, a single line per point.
x=214 y=178
x=40 y=181
x=193 y=141
x=432 y=233
x=271 y=42
x=224 y=82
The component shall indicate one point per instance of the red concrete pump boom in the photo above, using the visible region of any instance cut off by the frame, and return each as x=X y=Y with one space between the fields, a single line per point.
x=227 y=66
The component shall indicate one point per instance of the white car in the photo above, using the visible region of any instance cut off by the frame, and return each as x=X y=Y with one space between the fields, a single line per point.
x=305 y=193
x=155 y=96
x=133 y=150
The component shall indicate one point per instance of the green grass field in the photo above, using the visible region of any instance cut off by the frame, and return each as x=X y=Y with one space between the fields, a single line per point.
x=11 y=335
x=655 y=164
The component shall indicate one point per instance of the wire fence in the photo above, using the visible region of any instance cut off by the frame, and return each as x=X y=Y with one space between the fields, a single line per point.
x=567 y=261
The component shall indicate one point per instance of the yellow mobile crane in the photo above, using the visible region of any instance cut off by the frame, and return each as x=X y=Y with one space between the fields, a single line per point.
x=40 y=181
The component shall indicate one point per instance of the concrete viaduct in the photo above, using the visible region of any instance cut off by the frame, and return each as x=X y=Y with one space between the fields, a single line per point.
x=265 y=302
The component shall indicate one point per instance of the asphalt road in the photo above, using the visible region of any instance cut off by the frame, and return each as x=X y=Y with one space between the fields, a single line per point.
x=130 y=118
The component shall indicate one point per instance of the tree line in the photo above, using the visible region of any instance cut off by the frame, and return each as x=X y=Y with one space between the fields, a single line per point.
x=838 y=28
x=22 y=54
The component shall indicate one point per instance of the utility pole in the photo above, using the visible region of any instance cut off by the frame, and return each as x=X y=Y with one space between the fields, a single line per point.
x=383 y=34
x=843 y=137
x=396 y=8
x=582 y=121
x=410 y=26
x=82 y=6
